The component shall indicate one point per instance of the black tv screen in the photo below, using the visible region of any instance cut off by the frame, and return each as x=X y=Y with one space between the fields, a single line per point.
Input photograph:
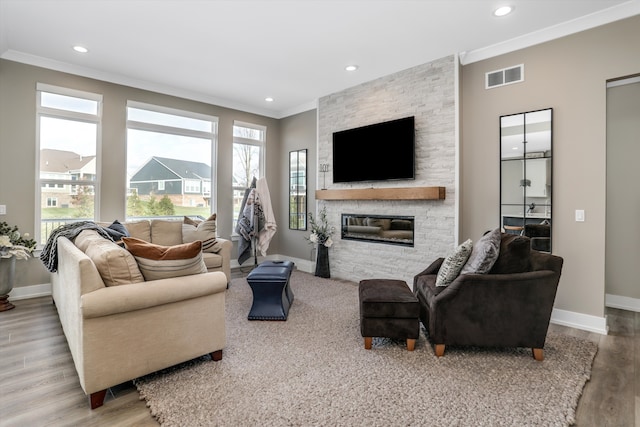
x=377 y=152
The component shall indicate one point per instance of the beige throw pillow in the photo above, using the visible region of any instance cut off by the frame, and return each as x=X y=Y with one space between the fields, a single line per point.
x=204 y=232
x=161 y=262
x=115 y=264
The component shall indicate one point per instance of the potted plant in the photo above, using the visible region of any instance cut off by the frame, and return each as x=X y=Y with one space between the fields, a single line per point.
x=321 y=234
x=13 y=246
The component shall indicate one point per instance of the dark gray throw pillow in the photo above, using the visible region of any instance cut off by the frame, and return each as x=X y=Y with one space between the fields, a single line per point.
x=117 y=231
x=484 y=254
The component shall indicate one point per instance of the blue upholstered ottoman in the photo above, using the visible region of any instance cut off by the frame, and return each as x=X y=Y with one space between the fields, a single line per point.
x=272 y=295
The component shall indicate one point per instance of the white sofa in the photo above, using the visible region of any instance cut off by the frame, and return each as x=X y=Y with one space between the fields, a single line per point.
x=119 y=332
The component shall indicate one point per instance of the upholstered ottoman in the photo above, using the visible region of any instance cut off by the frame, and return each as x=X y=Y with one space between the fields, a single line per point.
x=388 y=309
x=272 y=295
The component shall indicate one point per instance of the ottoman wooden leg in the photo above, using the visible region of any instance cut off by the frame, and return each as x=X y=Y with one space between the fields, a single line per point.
x=439 y=350
x=411 y=344
x=367 y=343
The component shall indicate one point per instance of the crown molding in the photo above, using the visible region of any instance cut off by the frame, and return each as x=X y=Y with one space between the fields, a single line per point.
x=64 y=67
x=596 y=19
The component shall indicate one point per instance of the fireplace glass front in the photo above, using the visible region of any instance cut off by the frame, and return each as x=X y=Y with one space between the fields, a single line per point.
x=389 y=229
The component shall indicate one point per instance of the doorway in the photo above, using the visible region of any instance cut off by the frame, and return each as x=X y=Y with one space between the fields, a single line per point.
x=622 y=243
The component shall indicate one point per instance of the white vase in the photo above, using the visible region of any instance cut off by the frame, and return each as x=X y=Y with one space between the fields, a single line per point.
x=7 y=279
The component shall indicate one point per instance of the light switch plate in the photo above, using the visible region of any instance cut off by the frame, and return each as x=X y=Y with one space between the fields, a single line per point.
x=3 y=209
x=580 y=215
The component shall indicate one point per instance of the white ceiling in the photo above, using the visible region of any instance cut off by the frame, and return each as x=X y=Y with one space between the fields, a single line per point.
x=236 y=53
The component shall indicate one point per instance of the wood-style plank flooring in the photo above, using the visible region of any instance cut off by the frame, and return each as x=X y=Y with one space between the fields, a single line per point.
x=39 y=385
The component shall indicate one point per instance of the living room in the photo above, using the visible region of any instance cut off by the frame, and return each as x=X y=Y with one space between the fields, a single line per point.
x=574 y=85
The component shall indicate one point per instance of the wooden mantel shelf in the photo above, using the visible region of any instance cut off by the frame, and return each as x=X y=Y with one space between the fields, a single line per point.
x=405 y=193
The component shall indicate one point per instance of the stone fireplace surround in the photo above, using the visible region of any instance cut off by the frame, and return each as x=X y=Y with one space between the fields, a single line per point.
x=427 y=92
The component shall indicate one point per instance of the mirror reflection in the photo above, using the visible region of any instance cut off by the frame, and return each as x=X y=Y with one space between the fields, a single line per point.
x=526 y=175
x=298 y=190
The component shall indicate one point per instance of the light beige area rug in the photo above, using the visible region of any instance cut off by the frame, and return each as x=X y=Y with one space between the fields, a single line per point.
x=313 y=370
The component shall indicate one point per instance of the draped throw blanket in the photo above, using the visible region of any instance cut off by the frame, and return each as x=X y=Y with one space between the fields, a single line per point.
x=256 y=221
x=268 y=229
x=49 y=255
x=246 y=222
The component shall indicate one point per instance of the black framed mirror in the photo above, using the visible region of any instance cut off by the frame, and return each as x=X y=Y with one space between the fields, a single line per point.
x=526 y=159
x=298 y=189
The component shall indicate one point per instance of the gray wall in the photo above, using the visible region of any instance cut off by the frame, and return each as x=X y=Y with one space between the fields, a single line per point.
x=17 y=151
x=570 y=75
x=623 y=197
x=298 y=132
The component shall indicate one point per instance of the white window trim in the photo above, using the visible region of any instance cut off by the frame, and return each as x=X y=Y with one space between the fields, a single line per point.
x=262 y=144
x=261 y=161
x=213 y=136
x=76 y=116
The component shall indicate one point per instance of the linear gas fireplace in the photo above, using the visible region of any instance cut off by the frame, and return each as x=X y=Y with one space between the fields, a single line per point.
x=393 y=230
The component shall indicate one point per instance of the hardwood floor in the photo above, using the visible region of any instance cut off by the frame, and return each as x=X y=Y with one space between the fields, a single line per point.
x=39 y=385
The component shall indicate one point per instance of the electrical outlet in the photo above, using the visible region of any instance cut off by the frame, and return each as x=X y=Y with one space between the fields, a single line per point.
x=580 y=215
x=3 y=209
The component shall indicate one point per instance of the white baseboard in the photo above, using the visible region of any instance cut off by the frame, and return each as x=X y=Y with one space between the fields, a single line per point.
x=623 y=303
x=585 y=322
x=301 y=264
x=32 y=291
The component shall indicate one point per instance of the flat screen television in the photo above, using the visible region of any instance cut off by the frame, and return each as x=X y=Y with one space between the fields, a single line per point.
x=377 y=152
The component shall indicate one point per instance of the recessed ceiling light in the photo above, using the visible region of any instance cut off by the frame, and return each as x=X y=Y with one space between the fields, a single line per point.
x=80 y=49
x=502 y=11
x=269 y=99
x=351 y=67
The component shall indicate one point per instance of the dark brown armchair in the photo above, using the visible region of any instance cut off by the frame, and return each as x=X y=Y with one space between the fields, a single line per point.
x=508 y=307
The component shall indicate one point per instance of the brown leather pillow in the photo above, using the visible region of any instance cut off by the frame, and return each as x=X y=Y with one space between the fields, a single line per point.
x=140 y=248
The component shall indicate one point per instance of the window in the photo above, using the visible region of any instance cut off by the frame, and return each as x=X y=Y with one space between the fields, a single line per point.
x=170 y=162
x=248 y=160
x=68 y=136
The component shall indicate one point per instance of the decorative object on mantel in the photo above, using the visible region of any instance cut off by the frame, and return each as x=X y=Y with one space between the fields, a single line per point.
x=324 y=168
x=12 y=246
x=320 y=236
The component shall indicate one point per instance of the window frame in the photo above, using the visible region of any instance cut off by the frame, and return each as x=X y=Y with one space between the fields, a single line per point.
x=42 y=111
x=172 y=130
x=261 y=144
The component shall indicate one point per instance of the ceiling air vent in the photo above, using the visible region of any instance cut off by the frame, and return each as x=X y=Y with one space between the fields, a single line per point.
x=503 y=77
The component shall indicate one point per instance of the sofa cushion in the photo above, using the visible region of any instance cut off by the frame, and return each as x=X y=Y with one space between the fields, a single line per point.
x=161 y=262
x=212 y=261
x=166 y=232
x=453 y=263
x=484 y=254
x=205 y=232
x=139 y=229
x=514 y=255
x=115 y=264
